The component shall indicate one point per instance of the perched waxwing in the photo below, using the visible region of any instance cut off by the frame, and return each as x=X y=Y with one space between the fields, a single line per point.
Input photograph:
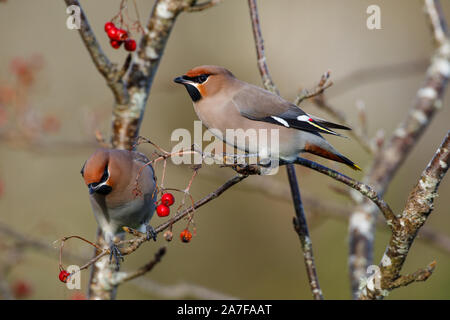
x=110 y=176
x=223 y=102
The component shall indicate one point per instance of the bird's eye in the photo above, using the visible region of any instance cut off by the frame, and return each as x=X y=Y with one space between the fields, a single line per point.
x=202 y=78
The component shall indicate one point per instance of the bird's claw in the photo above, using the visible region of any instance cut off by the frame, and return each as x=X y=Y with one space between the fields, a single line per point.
x=114 y=251
x=151 y=233
x=247 y=169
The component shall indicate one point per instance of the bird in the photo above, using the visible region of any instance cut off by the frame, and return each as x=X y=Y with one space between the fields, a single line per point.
x=110 y=175
x=221 y=102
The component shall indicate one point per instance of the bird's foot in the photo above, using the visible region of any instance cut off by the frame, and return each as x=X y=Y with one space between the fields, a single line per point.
x=114 y=251
x=247 y=169
x=151 y=233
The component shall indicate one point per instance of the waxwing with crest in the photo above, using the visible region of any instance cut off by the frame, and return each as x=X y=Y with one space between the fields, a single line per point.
x=110 y=176
x=223 y=102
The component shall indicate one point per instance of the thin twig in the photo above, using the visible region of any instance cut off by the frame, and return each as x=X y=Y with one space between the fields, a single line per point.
x=301 y=227
x=202 y=6
x=323 y=84
x=259 y=44
x=364 y=189
x=133 y=244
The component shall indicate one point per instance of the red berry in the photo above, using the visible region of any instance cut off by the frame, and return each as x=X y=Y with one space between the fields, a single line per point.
x=130 y=45
x=109 y=25
x=115 y=44
x=185 y=235
x=63 y=275
x=21 y=289
x=167 y=199
x=112 y=33
x=162 y=210
x=122 y=34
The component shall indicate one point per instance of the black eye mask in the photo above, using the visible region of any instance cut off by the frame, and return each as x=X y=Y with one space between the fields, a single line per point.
x=198 y=79
x=100 y=187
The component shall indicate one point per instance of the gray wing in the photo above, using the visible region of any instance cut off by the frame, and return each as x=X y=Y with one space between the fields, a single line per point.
x=261 y=105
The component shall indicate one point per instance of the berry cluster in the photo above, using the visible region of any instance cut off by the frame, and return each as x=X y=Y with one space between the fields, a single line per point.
x=163 y=210
x=118 y=36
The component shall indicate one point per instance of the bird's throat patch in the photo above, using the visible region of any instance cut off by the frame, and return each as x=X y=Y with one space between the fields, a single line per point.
x=104 y=189
x=193 y=92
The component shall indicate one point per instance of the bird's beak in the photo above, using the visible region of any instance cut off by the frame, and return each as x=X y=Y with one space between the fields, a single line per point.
x=181 y=80
x=91 y=188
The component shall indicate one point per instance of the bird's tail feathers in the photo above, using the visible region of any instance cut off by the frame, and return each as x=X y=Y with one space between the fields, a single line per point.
x=349 y=163
x=330 y=154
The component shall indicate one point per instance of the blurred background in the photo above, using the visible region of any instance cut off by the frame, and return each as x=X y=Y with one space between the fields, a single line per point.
x=52 y=99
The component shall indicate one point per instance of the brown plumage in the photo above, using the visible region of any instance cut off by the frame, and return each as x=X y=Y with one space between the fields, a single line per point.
x=110 y=176
x=222 y=102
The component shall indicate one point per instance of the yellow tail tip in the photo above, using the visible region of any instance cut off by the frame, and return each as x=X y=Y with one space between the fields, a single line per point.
x=356 y=167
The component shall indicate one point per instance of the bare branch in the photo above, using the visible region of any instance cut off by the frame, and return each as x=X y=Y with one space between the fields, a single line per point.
x=396 y=150
x=437 y=22
x=419 y=275
x=203 y=6
x=259 y=43
x=417 y=209
x=301 y=227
